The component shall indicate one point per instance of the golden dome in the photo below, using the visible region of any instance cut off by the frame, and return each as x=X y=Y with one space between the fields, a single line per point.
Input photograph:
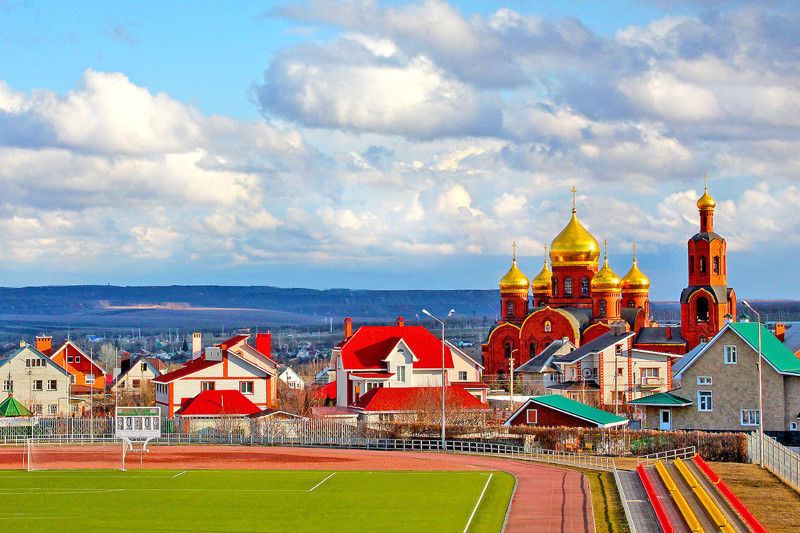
x=543 y=282
x=634 y=280
x=574 y=245
x=606 y=279
x=514 y=280
x=705 y=201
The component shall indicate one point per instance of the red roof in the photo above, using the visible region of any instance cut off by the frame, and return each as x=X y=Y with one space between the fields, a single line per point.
x=370 y=345
x=371 y=375
x=411 y=398
x=218 y=402
x=233 y=341
x=470 y=384
x=157 y=363
x=195 y=365
x=328 y=392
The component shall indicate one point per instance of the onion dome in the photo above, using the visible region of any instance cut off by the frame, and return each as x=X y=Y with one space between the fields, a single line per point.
x=634 y=280
x=514 y=280
x=543 y=282
x=706 y=202
x=606 y=279
x=574 y=245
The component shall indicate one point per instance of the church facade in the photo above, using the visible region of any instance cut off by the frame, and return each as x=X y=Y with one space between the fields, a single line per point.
x=580 y=300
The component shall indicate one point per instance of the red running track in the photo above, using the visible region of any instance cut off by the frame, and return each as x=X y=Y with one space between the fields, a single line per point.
x=547 y=498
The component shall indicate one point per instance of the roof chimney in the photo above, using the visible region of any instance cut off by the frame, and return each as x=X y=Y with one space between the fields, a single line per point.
x=44 y=343
x=780 y=330
x=197 y=344
x=264 y=344
x=669 y=332
x=401 y=322
x=348 y=328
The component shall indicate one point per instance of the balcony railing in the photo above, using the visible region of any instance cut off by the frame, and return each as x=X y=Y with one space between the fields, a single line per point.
x=652 y=382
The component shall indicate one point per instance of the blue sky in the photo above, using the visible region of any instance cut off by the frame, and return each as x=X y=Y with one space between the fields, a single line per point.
x=394 y=144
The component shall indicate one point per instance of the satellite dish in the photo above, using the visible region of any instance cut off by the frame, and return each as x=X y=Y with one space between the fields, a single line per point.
x=587 y=372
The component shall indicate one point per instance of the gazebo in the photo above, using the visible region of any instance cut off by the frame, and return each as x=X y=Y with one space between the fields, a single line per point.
x=11 y=407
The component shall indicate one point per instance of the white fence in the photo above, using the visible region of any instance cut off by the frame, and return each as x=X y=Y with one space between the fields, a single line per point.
x=778 y=459
x=669 y=455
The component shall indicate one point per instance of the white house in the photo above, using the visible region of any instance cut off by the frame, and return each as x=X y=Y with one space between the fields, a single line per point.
x=290 y=377
x=38 y=383
x=135 y=376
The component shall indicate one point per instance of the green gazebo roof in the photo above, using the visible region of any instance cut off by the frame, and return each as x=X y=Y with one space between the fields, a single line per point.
x=11 y=407
x=662 y=399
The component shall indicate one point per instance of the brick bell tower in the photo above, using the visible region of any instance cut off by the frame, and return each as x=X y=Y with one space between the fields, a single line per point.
x=514 y=289
x=707 y=299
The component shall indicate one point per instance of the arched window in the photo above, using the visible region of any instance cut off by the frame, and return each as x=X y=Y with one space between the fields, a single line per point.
x=603 y=308
x=510 y=308
x=691 y=265
x=702 y=264
x=702 y=309
x=507 y=351
x=568 y=287
x=555 y=287
x=533 y=349
x=584 y=286
x=548 y=327
x=715 y=265
x=631 y=303
x=619 y=307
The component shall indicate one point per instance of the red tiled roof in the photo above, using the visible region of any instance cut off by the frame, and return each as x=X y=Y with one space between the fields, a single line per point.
x=370 y=345
x=195 y=365
x=372 y=375
x=470 y=384
x=411 y=398
x=218 y=402
x=328 y=392
x=233 y=341
x=157 y=363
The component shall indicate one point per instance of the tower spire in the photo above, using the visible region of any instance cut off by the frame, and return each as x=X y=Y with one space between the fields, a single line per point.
x=573 y=198
x=545 y=255
x=514 y=248
x=634 y=252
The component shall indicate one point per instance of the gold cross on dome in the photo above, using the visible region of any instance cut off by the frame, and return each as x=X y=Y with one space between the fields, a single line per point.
x=573 y=196
x=545 y=254
x=514 y=247
x=634 y=251
x=605 y=249
x=705 y=179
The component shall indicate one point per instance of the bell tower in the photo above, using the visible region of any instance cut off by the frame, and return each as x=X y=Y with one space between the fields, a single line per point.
x=514 y=289
x=707 y=298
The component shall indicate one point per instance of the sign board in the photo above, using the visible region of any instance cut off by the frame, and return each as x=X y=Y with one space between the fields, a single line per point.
x=89 y=379
x=139 y=423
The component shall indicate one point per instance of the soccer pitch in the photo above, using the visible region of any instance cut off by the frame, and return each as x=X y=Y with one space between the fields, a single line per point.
x=253 y=500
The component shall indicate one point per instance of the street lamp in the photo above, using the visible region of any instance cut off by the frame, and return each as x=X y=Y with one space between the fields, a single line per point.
x=511 y=380
x=442 y=323
x=760 y=391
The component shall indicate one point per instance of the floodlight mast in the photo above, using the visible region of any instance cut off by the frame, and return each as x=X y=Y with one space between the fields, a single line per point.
x=443 y=386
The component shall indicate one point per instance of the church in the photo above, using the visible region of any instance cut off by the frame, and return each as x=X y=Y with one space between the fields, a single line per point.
x=579 y=300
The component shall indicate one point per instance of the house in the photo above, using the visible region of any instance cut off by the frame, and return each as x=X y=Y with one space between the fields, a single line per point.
x=717 y=385
x=290 y=377
x=37 y=381
x=610 y=371
x=419 y=404
x=397 y=357
x=135 y=375
x=542 y=371
x=554 y=410
x=87 y=375
x=231 y=365
x=216 y=411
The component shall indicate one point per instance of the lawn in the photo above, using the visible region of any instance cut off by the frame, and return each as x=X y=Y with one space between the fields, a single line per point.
x=252 y=500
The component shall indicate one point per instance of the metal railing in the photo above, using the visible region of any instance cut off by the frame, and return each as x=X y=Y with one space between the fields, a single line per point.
x=778 y=459
x=669 y=455
x=624 y=498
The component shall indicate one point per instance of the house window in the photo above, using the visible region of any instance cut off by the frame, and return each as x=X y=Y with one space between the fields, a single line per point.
x=401 y=373
x=8 y=385
x=584 y=286
x=792 y=426
x=462 y=375
x=137 y=383
x=386 y=417
x=52 y=409
x=77 y=358
x=619 y=371
x=52 y=384
x=618 y=349
x=72 y=379
x=33 y=363
x=246 y=387
x=143 y=367
x=568 y=287
x=69 y=359
x=206 y=385
x=37 y=384
x=705 y=401
x=533 y=416
x=750 y=417
x=37 y=409
x=730 y=355
x=704 y=380
x=548 y=327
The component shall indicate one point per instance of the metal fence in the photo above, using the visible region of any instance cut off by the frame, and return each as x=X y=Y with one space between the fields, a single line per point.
x=778 y=459
x=669 y=455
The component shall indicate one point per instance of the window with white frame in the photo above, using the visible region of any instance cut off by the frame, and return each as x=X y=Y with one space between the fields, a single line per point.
x=37 y=384
x=144 y=367
x=246 y=387
x=52 y=384
x=386 y=417
x=704 y=380
x=8 y=385
x=462 y=375
x=705 y=401
x=37 y=409
x=206 y=385
x=33 y=363
x=52 y=409
x=792 y=426
x=69 y=359
x=750 y=417
x=401 y=373
x=730 y=355
x=77 y=358
x=533 y=416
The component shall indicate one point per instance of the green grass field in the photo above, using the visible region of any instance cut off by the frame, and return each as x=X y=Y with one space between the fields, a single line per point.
x=251 y=500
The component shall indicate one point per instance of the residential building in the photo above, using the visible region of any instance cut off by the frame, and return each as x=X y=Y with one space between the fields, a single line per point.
x=231 y=365
x=37 y=382
x=553 y=410
x=135 y=375
x=80 y=365
x=290 y=378
x=420 y=404
x=219 y=411
x=543 y=371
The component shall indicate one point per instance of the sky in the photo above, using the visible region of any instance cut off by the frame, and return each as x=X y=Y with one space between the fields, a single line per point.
x=393 y=145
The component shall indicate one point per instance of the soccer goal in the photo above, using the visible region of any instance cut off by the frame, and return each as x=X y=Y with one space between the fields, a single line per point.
x=67 y=454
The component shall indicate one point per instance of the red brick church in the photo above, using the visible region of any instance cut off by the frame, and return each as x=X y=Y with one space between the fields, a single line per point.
x=580 y=300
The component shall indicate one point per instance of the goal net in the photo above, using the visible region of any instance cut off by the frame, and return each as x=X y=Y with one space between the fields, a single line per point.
x=55 y=454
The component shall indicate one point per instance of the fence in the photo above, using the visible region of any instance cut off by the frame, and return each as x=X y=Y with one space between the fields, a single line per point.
x=669 y=455
x=778 y=459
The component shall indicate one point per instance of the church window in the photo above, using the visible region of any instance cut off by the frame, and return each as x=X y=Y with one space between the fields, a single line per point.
x=691 y=265
x=510 y=308
x=533 y=349
x=548 y=327
x=568 y=287
x=507 y=351
x=702 y=309
x=631 y=303
x=702 y=264
x=715 y=265
x=555 y=287
x=619 y=307
x=603 y=308
x=584 y=286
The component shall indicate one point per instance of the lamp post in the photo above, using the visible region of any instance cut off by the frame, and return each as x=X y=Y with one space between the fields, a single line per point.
x=511 y=381
x=442 y=323
x=760 y=391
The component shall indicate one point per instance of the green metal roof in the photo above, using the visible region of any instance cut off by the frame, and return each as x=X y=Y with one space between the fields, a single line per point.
x=661 y=398
x=11 y=407
x=580 y=410
x=773 y=350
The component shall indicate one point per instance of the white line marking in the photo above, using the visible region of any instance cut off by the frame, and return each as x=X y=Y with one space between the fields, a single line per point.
x=321 y=482
x=178 y=474
x=479 y=502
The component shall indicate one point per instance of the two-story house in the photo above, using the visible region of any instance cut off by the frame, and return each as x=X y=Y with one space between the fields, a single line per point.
x=87 y=375
x=36 y=381
x=718 y=384
x=135 y=375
